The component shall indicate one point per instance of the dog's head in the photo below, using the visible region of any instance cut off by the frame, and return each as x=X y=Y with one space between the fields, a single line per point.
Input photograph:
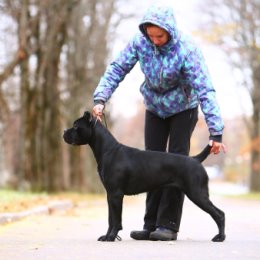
x=81 y=131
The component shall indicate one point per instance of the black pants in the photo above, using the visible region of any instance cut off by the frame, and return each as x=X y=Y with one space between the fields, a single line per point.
x=164 y=206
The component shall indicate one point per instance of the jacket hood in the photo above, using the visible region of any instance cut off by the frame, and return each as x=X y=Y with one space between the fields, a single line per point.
x=162 y=17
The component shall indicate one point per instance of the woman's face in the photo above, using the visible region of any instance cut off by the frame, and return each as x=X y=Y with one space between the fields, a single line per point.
x=157 y=35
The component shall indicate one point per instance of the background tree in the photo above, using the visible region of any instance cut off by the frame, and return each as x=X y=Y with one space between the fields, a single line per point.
x=61 y=50
x=234 y=25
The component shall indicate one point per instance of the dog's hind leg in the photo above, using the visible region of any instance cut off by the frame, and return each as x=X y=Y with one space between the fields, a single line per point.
x=115 y=202
x=202 y=200
x=219 y=217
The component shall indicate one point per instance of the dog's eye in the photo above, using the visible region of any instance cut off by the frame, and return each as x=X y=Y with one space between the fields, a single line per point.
x=75 y=127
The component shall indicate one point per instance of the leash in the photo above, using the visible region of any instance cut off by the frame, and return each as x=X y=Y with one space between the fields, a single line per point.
x=118 y=238
x=105 y=120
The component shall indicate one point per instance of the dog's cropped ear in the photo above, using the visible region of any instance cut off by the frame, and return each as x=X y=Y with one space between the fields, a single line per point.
x=87 y=116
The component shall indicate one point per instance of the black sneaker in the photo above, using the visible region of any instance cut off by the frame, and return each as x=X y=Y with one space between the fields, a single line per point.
x=163 y=234
x=140 y=235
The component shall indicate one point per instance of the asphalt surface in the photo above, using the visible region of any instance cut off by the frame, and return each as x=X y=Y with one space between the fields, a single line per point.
x=73 y=234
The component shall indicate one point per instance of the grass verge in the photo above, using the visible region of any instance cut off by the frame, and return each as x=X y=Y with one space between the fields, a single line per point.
x=247 y=196
x=17 y=201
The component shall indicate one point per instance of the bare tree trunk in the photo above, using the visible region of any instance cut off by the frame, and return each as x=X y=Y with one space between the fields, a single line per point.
x=255 y=130
x=57 y=19
x=26 y=144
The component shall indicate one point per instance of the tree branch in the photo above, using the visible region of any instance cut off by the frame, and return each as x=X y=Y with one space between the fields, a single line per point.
x=20 y=55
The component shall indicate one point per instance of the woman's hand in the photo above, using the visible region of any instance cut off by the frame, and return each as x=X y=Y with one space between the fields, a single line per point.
x=217 y=147
x=98 y=111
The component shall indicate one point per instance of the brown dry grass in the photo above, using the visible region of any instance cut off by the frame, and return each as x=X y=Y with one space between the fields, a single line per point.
x=13 y=201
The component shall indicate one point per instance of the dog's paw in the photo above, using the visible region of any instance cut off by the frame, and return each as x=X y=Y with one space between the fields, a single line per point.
x=107 y=238
x=111 y=238
x=219 y=238
x=102 y=238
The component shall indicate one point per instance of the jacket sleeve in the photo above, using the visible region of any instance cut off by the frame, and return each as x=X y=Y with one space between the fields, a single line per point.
x=116 y=72
x=197 y=76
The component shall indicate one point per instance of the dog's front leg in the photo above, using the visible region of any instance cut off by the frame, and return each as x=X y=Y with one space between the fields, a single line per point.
x=115 y=202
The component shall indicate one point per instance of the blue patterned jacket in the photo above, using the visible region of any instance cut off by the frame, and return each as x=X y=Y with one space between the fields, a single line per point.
x=176 y=77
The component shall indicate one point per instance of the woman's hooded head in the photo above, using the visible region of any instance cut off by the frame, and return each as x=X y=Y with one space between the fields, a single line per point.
x=162 y=17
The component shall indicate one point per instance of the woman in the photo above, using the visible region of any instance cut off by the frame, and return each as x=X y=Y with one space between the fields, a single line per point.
x=176 y=83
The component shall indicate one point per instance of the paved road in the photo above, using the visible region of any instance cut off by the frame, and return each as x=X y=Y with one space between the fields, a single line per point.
x=73 y=235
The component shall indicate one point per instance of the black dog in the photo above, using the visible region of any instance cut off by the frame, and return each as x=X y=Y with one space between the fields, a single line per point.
x=126 y=171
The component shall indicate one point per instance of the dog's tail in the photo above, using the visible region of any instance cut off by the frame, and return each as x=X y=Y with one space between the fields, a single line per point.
x=204 y=154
